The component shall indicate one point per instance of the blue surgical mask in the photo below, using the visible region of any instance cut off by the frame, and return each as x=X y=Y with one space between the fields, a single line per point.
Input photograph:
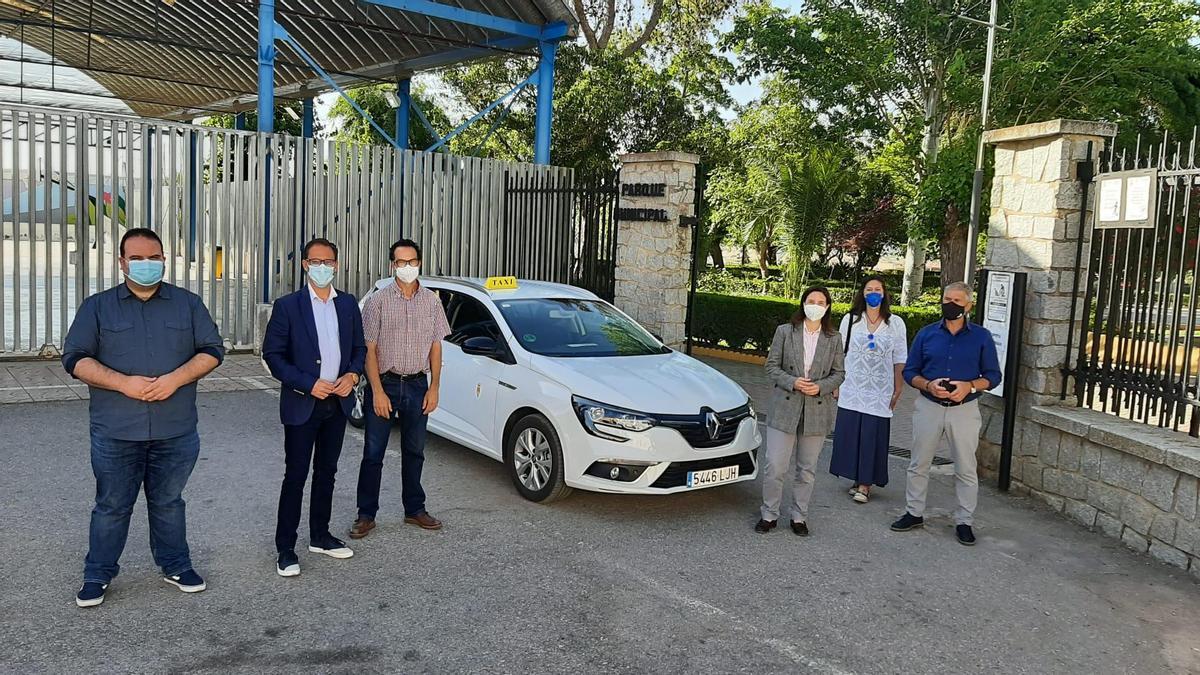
x=874 y=299
x=321 y=275
x=145 y=272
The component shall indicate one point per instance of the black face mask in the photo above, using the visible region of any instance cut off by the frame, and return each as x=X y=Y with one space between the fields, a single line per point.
x=952 y=311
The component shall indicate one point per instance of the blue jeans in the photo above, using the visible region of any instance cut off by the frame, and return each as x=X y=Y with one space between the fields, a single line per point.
x=408 y=401
x=122 y=468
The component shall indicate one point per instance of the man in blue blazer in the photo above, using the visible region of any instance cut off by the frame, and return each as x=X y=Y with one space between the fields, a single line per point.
x=314 y=346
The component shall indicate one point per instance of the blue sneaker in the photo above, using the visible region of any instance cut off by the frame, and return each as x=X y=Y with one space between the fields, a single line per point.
x=288 y=565
x=188 y=582
x=330 y=546
x=91 y=594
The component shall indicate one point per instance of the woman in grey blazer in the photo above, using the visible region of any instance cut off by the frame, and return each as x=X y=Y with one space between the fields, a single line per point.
x=805 y=365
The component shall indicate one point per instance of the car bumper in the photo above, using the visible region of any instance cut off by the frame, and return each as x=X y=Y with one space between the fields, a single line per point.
x=661 y=457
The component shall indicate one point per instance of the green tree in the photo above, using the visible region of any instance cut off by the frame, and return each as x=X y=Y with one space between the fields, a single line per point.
x=813 y=187
x=284 y=124
x=355 y=127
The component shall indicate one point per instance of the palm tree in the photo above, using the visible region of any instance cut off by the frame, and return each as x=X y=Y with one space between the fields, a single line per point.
x=812 y=186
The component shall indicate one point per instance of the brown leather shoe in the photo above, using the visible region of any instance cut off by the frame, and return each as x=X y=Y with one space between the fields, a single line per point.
x=361 y=528
x=426 y=521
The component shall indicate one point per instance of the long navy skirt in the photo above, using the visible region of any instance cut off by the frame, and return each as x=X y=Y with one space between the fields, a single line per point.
x=860 y=447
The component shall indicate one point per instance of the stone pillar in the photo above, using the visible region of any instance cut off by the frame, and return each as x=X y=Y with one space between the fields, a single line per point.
x=654 y=251
x=1035 y=227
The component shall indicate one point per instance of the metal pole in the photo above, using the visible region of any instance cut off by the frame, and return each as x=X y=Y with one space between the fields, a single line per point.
x=306 y=119
x=266 y=124
x=977 y=183
x=545 y=103
x=1016 y=323
x=404 y=91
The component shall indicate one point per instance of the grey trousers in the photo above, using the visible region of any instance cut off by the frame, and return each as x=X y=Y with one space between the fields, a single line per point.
x=780 y=449
x=961 y=425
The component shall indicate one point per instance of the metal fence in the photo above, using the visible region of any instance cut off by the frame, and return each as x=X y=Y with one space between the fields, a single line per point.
x=587 y=255
x=73 y=182
x=1137 y=354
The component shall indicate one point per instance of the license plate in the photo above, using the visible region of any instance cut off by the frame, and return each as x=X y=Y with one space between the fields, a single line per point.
x=712 y=476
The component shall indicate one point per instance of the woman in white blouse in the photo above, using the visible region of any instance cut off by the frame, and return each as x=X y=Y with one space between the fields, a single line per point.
x=876 y=346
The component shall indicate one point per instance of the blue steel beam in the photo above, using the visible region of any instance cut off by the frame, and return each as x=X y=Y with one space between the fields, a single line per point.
x=437 y=10
x=306 y=119
x=491 y=106
x=404 y=91
x=282 y=34
x=545 y=104
x=423 y=119
x=266 y=124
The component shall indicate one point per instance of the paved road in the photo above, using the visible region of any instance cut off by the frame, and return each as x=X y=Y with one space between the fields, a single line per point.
x=592 y=584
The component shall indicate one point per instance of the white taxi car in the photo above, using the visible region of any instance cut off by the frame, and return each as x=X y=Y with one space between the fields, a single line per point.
x=569 y=392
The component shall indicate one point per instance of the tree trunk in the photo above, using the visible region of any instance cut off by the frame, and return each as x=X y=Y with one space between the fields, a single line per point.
x=914 y=270
x=717 y=255
x=952 y=248
x=914 y=255
x=745 y=256
x=763 y=248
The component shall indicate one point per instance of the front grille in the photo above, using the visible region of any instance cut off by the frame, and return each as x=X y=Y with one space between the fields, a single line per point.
x=694 y=428
x=676 y=473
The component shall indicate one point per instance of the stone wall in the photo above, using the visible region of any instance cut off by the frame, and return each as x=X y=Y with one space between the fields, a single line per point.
x=1128 y=481
x=653 y=271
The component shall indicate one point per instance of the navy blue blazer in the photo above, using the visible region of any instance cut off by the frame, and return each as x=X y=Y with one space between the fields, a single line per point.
x=293 y=353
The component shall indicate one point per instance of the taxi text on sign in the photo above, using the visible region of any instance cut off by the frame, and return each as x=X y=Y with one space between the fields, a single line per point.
x=500 y=283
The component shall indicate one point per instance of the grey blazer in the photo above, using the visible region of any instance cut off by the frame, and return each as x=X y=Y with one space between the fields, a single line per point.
x=791 y=411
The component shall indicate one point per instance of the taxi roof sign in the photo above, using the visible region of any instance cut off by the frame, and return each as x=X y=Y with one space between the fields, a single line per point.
x=500 y=284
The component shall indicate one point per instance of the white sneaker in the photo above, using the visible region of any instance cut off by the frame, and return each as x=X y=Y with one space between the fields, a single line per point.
x=861 y=497
x=332 y=547
x=292 y=570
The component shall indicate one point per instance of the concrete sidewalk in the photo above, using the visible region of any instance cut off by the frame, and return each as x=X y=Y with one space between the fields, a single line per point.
x=34 y=381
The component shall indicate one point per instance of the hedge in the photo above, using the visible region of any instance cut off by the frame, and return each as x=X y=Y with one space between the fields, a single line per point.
x=741 y=322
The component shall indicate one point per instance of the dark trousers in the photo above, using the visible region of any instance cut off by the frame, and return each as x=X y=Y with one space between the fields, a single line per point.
x=408 y=400
x=323 y=431
x=122 y=468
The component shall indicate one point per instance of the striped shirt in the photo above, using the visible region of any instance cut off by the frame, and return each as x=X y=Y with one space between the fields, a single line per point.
x=404 y=329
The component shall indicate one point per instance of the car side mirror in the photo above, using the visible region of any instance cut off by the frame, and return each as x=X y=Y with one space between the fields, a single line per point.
x=482 y=346
x=658 y=337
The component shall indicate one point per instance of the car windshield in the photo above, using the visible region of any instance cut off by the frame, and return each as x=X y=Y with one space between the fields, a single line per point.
x=572 y=327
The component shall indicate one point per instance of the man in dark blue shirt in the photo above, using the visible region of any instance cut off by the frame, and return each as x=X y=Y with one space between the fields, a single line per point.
x=140 y=347
x=951 y=362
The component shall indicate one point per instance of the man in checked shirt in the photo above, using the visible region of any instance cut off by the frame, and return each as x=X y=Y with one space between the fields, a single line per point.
x=403 y=325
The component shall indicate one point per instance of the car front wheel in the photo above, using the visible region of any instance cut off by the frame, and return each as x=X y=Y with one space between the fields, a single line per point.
x=534 y=458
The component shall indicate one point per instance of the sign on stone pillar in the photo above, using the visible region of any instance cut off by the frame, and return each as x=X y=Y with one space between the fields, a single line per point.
x=1034 y=227
x=653 y=267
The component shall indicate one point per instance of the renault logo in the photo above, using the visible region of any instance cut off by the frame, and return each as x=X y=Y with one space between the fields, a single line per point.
x=712 y=423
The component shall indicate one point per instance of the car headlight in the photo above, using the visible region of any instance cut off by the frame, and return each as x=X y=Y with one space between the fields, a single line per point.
x=596 y=417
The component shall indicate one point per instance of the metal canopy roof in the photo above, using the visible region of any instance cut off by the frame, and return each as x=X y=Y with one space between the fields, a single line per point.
x=179 y=59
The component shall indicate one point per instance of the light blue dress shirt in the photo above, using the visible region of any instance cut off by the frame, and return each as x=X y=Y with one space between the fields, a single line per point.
x=325 y=316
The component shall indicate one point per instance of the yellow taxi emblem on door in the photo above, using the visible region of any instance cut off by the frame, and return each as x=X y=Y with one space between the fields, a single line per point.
x=500 y=283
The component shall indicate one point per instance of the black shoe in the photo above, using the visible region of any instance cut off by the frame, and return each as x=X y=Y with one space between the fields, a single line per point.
x=91 y=594
x=330 y=546
x=765 y=526
x=907 y=522
x=965 y=536
x=800 y=529
x=288 y=565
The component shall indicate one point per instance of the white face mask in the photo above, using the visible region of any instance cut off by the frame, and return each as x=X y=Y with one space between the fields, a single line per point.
x=814 y=312
x=408 y=274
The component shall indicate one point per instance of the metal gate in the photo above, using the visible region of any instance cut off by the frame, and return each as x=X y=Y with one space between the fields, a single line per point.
x=73 y=182
x=1137 y=353
x=585 y=212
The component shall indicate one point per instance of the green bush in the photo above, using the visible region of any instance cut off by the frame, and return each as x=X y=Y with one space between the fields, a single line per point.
x=741 y=322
